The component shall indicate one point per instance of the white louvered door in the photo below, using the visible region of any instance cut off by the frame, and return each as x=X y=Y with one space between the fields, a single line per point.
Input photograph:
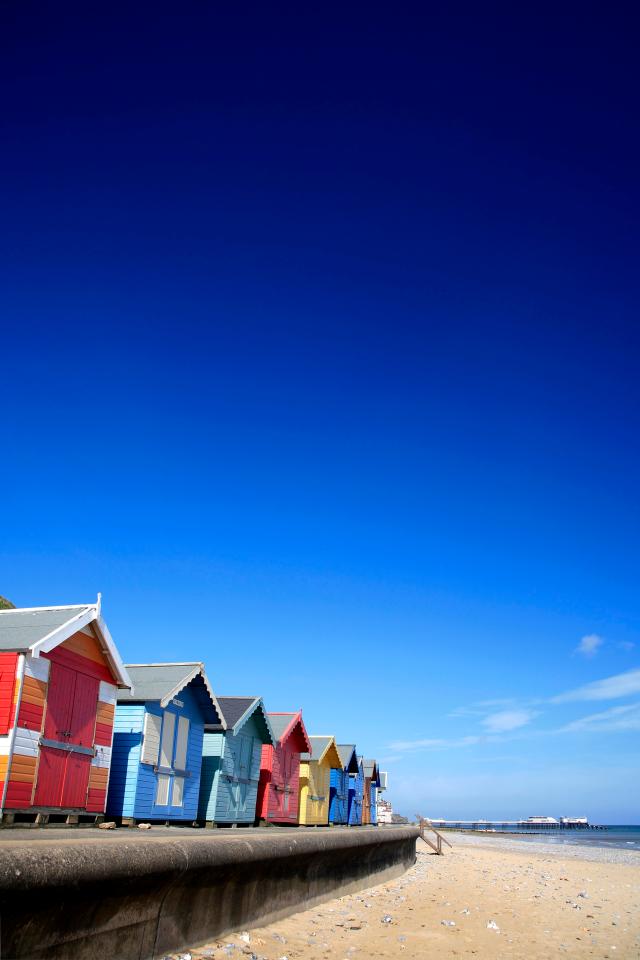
x=182 y=741
x=166 y=745
x=151 y=738
x=180 y=761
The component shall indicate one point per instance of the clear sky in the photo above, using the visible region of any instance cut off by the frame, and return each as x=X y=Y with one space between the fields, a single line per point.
x=320 y=361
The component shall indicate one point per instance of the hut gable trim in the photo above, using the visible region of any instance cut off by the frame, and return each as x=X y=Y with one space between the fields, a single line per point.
x=282 y=733
x=371 y=771
x=238 y=710
x=39 y=630
x=169 y=680
x=348 y=757
x=323 y=748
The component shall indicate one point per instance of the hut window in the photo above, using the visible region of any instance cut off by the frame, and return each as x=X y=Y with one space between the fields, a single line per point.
x=166 y=746
x=162 y=790
x=151 y=738
x=178 y=792
x=180 y=762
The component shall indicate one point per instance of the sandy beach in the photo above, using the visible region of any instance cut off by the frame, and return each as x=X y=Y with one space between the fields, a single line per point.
x=488 y=898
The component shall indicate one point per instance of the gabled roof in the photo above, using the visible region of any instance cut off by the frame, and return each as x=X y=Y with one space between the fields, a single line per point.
x=371 y=770
x=283 y=725
x=38 y=630
x=347 y=753
x=237 y=710
x=161 y=682
x=323 y=748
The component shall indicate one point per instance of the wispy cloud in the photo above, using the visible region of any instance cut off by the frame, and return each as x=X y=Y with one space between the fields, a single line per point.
x=433 y=743
x=589 y=645
x=506 y=720
x=626 y=645
x=500 y=726
x=611 y=688
x=617 y=718
x=501 y=704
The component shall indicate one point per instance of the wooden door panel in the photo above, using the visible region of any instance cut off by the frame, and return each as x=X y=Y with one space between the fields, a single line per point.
x=76 y=781
x=83 y=713
x=51 y=771
x=60 y=696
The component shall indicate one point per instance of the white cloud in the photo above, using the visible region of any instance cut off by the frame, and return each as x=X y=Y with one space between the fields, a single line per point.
x=611 y=688
x=589 y=645
x=481 y=707
x=506 y=720
x=437 y=743
x=617 y=718
x=504 y=725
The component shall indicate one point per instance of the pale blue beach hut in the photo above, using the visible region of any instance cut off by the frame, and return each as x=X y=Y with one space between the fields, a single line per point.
x=231 y=753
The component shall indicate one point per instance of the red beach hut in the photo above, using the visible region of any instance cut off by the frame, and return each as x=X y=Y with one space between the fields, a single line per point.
x=280 y=769
x=59 y=674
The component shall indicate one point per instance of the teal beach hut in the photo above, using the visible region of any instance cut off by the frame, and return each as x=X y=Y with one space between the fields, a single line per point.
x=157 y=742
x=339 y=785
x=231 y=753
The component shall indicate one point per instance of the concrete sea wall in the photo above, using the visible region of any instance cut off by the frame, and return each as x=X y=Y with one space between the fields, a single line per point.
x=142 y=896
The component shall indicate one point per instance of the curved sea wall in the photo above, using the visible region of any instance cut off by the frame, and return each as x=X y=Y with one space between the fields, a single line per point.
x=142 y=896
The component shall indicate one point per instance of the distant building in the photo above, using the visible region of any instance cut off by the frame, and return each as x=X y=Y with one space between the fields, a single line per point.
x=385 y=811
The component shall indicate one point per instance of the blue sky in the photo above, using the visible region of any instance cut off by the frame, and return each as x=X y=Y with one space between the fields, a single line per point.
x=320 y=361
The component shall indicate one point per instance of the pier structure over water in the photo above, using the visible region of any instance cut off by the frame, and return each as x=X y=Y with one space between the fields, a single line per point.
x=530 y=825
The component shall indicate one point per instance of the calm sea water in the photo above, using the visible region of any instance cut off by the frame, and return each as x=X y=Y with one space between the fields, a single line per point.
x=622 y=836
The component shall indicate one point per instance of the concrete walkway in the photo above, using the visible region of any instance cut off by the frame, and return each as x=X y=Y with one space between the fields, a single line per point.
x=131 y=893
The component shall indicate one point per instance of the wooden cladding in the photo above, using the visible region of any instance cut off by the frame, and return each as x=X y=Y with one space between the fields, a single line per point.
x=8 y=665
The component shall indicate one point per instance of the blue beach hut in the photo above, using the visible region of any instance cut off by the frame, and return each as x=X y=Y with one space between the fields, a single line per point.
x=339 y=783
x=356 y=788
x=157 y=742
x=370 y=795
x=231 y=753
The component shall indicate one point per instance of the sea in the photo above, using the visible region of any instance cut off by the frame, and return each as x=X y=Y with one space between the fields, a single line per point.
x=620 y=836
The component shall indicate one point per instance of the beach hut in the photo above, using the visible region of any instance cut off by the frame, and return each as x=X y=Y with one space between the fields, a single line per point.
x=339 y=784
x=370 y=792
x=315 y=776
x=59 y=674
x=356 y=787
x=278 y=790
x=231 y=762
x=157 y=743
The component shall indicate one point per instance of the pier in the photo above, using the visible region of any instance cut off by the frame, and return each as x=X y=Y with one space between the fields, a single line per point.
x=531 y=825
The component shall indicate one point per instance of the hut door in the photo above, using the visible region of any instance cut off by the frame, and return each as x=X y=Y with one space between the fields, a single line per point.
x=83 y=712
x=63 y=775
x=278 y=780
x=62 y=683
x=245 y=753
x=286 y=781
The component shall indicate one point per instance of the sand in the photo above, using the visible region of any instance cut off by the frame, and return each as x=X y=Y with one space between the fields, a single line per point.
x=483 y=899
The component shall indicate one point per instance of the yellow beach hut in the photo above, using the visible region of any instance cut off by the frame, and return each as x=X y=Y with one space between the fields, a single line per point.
x=315 y=778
